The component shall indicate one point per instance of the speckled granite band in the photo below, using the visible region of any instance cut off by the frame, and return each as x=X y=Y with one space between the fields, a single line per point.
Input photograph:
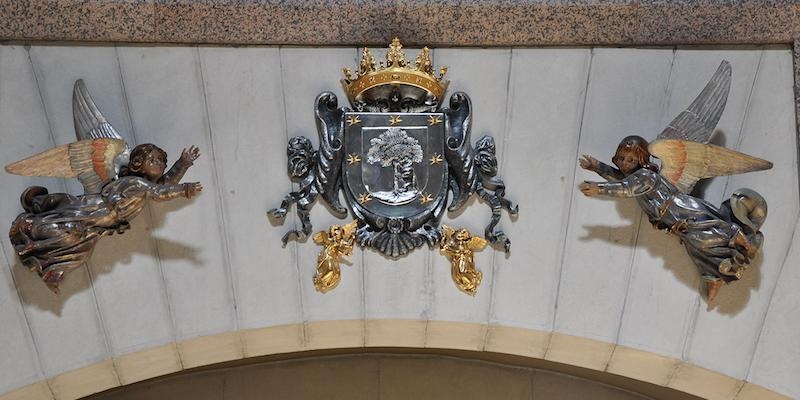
x=439 y=23
x=418 y=22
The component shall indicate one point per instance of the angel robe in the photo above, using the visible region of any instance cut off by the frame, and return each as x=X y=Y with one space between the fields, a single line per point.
x=706 y=231
x=59 y=231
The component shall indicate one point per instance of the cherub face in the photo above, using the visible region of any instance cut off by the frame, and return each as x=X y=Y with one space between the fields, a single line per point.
x=154 y=165
x=462 y=234
x=626 y=160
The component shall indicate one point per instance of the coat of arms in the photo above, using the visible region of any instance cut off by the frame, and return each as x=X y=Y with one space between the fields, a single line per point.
x=400 y=159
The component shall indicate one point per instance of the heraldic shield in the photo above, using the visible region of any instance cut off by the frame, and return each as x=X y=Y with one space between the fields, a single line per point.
x=395 y=175
x=400 y=159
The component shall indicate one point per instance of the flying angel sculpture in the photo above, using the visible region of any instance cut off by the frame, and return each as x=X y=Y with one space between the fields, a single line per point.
x=57 y=232
x=721 y=241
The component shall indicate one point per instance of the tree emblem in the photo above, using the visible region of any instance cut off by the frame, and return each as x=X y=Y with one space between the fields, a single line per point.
x=394 y=148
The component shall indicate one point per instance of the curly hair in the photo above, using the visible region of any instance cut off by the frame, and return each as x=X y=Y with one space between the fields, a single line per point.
x=485 y=158
x=637 y=145
x=138 y=155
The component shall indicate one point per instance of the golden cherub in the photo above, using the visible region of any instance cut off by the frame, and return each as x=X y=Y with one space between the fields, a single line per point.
x=458 y=246
x=338 y=242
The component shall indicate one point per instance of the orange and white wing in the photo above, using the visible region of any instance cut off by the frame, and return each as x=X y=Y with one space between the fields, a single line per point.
x=91 y=124
x=697 y=122
x=684 y=162
x=91 y=161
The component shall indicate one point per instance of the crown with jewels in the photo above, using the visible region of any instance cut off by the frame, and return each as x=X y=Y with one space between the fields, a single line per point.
x=397 y=73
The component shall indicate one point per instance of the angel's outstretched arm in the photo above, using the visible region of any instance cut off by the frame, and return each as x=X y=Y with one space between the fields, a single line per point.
x=158 y=192
x=631 y=186
x=186 y=160
x=174 y=190
x=606 y=171
x=609 y=173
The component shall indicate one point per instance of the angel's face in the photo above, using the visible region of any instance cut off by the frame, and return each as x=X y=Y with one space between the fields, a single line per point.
x=154 y=165
x=626 y=160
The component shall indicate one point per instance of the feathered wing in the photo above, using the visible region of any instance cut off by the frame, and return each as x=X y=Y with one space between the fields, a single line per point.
x=477 y=243
x=686 y=157
x=91 y=161
x=89 y=121
x=91 y=124
x=685 y=162
x=320 y=237
x=697 y=122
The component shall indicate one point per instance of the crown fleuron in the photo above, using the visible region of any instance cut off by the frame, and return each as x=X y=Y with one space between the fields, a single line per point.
x=417 y=78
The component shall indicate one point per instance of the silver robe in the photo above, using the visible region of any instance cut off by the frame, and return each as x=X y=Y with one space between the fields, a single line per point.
x=707 y=232
x=59 y=231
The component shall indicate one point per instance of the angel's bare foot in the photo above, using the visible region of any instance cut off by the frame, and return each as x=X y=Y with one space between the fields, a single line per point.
x=712 y=289
x=741 y=243
x=52 y=279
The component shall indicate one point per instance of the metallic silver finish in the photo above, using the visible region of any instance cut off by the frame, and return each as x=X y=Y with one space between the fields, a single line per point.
x=396 y=211
x=57 y=231
x=91 y=124
x=722 y=241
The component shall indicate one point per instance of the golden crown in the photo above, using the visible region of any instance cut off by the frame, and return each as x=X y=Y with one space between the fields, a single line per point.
x=397 y=72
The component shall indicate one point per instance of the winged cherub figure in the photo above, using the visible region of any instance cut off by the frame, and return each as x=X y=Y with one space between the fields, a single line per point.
x=721 y=241
x=338 y=242
x=459 y=246
x=58 y=231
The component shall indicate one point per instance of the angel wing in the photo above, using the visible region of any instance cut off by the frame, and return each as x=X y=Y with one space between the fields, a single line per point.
x=91 y=124
x=697 y=122
x=91 y=161
x=477 y=243
x=95 y=159
x=684 y=162
x=89 y=121
x=320 y=237
x=686 y=157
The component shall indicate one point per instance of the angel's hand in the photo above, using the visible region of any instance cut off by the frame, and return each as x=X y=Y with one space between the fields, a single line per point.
x=191 y=189
x=589 y=163
x=188 y=156
x=589 y=189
